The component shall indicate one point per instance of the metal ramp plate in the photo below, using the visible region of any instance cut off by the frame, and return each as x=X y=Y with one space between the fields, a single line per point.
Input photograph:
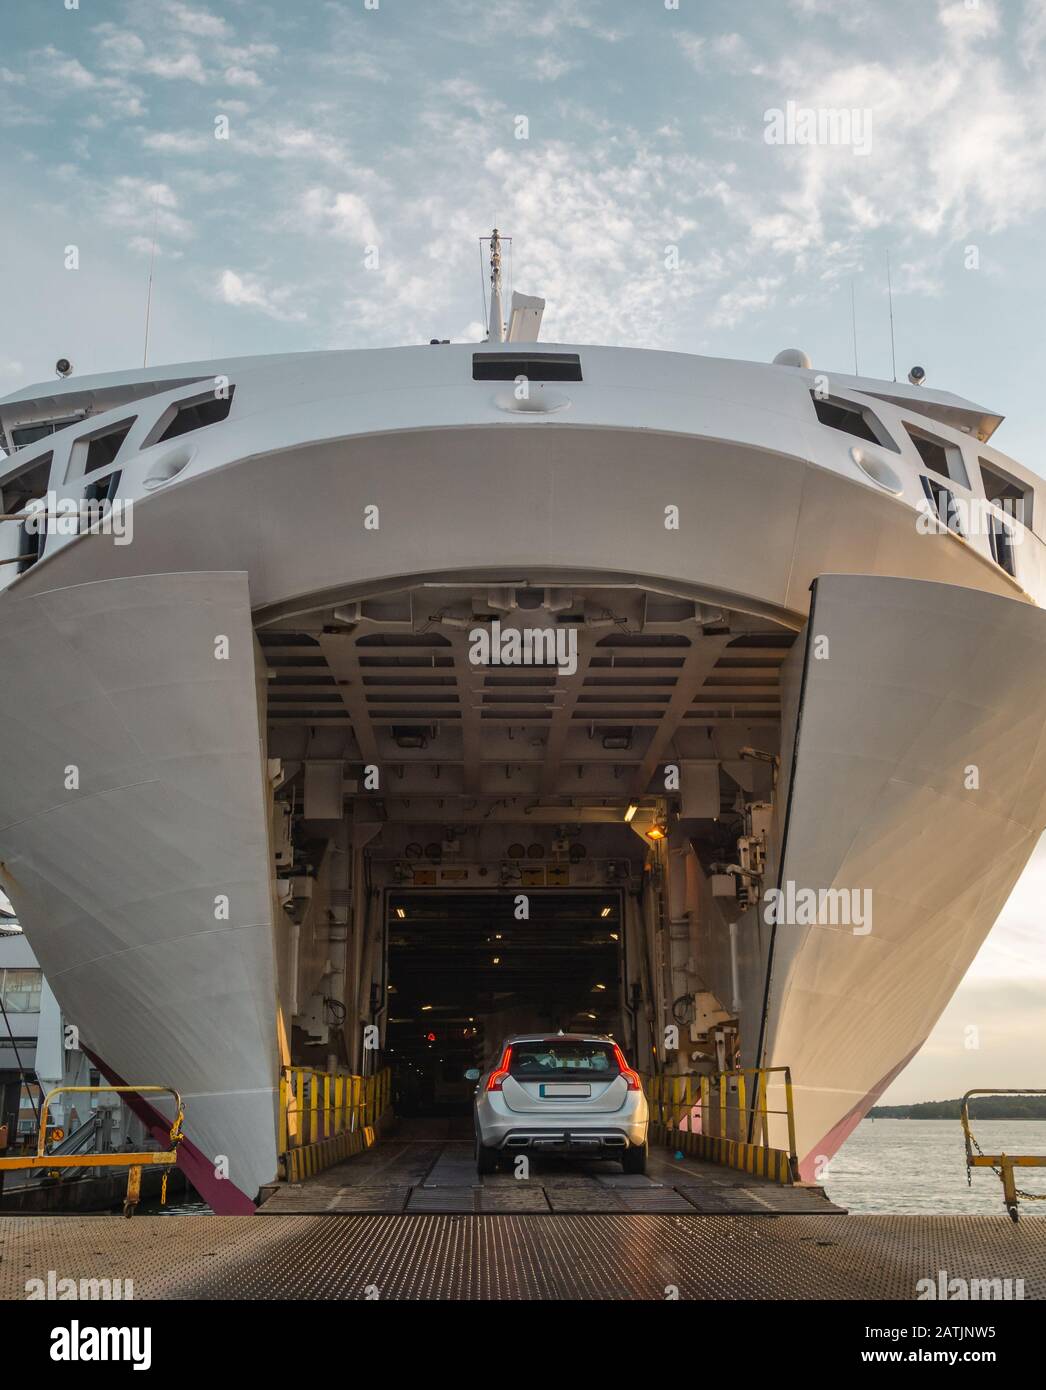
x=555 y=1257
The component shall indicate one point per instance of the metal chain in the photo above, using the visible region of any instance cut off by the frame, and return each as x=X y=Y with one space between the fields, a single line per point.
x=1020 y=1192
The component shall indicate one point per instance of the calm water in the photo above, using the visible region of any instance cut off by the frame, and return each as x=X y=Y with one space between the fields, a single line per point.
x=919 y=1166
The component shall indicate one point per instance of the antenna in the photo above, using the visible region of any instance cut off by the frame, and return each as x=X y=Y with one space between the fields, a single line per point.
x=853 y=325
x=149 y=292
x=889 y=291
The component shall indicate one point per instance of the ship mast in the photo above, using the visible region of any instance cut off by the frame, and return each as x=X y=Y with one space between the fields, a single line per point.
x=496 y=329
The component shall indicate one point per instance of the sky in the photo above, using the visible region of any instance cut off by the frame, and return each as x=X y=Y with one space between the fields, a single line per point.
x=317 y=175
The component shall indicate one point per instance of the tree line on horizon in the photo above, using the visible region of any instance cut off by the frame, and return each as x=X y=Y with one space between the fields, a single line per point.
x=981 y=1108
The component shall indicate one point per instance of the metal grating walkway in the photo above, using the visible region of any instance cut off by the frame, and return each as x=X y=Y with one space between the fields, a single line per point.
x=452 y=1257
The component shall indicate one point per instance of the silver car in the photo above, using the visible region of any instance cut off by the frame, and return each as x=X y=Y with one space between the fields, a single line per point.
x=561 y=1093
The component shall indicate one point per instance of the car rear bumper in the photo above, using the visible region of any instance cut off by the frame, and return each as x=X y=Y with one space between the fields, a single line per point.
x=519 y=1133
x=573 y=1141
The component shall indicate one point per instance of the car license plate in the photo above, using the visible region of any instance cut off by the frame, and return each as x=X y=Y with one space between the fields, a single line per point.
x=566 y=1088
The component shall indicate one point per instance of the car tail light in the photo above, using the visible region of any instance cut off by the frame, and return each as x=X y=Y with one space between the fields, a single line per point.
x=497 y=1077
x=632 y=1080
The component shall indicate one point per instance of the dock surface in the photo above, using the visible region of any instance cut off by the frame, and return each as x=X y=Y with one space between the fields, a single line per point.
x=411 y=1219
x=526 y=1257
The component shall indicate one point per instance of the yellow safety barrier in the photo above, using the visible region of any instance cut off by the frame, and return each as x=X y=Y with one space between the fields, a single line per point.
x=1001 y=1164
x=327 y=1116
x=708 y=1117
x=133 y=1162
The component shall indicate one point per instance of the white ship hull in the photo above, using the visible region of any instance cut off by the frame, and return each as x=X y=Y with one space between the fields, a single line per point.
x=147 y=885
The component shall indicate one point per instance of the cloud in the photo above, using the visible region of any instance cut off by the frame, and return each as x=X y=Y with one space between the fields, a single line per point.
x=245 y=291
x=58 y=74
x=67 y=71
x=494 y=19
x=748 y=297
x=1032 y=33
x=341 y=214
x=242 y=77
x=184 y=142
x=728 y=53
x=186 y=66
x=550 y=67
x=138 y=205
x=122 y=50
x=195 y=21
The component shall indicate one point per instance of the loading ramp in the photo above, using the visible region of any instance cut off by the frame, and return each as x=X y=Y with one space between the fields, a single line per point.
x=427 y=1165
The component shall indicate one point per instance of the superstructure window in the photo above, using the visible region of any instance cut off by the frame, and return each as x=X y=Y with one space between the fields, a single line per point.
x=543 y=366
x=1006 y=493
x=938 y=455
x=27 y=485
x=1000 y=539
x=850 y=418
x=942 y=500
x=29 y=434
x=94 y=451
x=17 y=492
x=194 y=415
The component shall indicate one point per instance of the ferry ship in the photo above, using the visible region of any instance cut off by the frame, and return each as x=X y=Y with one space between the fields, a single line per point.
x=357 y=704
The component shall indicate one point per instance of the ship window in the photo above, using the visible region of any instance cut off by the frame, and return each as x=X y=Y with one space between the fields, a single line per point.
x=28 y=485
x=1000 y=538
x=1007 y=493
x=103 y=489
x=94 y=451
x=193 y=415
x=29 y=434
x=543 y=366
x=850 y=418
x=942 y=501
x=939 y=456
x=21 y=990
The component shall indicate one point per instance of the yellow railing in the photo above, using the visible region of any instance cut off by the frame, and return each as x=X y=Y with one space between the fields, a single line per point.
x=710 y=1117
x=327 y=1116
x=133 y=1162
x=1002 y=1164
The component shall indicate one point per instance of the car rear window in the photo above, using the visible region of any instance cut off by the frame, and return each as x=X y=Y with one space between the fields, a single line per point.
x=557 y=1057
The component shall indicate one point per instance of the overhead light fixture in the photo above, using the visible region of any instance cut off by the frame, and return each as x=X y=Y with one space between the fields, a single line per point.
x=401 y=913
x=425 y=1008
x=614 y=936
x=657 y=832
x=605 y=911
x=410 y=736
x=632 y=809
x=618 y=738
x=496 y=960
x=595 y=987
